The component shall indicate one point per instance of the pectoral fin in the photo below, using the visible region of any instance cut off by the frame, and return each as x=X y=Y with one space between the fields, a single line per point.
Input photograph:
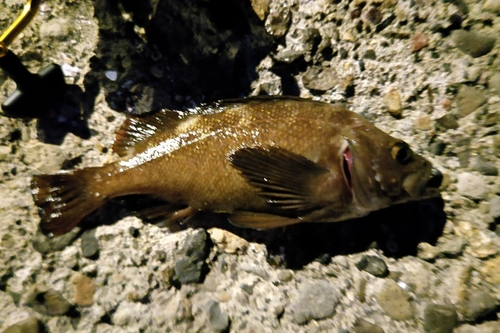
x=283 y=178
x=260 y=220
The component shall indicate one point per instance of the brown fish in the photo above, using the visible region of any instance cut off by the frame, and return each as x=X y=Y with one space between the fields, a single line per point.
x=266 y=162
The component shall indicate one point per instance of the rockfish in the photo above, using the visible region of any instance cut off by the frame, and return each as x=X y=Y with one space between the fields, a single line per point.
x=265 y=162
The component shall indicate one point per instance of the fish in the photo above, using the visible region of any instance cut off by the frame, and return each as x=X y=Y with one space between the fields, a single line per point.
x=265 y=162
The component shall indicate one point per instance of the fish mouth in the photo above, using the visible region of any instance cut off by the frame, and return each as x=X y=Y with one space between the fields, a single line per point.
x=347 y=167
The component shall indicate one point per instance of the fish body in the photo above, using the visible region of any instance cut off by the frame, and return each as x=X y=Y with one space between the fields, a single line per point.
x=266 y=162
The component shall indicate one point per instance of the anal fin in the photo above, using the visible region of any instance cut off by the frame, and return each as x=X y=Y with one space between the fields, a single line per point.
x=254 y=220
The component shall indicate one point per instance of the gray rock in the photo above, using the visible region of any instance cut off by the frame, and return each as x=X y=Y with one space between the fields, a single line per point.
x=437 y=147
x=495 y=207
x=448 y=121
x=190 y=266
x=285 y=275
x=44 y=244
x=472 y=186
x=468 y=100
x=494 y=83
x=363 y=326
x=451 y=247
x=373 y=265
x=89 y=244
x=28 y=325
x=477 y=304
x=316 y=300
x=210 y=316
x=395 y=301
x=440 y=318
x=481 y=165
x=317 y=79
x=473 y=44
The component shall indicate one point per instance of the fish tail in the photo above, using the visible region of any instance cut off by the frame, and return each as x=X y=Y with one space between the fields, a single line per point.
x=64 y=199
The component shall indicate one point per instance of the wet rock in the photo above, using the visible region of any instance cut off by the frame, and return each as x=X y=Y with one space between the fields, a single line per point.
x=472 y=186
x=190 y=266
x=481 y=165
x=477 y=304
x=448 y=121
x=492 y=6
x=373 y=265
x=321 y=80
x=89 y=245
x=363 y=326
x=278 y=20
x=473 y=44
x=48 y=302
x=440 y=318
x=393 y=102
x=227 y=241
x=495 y=207
x=209 y=315
x=395 y=301
x=83 y=290
x=316 y=300
x=28 y=325
x=468 y=100
x=370 y=54
x=419 y=41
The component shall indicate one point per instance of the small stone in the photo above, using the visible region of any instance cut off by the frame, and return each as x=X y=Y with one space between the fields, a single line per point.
x=481 y=165
x=319 y=79
x=423 y=123
x=48 y=302
x=90 y=245
x=227 y=241
x=28 y=325
x=440 y=318
x=492 y=6
x=468 y=100
x=427 y=252
x=190 y=266
x=316 y=300
x=437 y=147
x=370 y=55
x=363 y=326
x=211 y=315
x=44 y=244
x=393 y=102
x=168 y=275
x=473 y=44
x=419 y=41
x=83 y=290
x=285 y=275
x=373 y=265
x=495 y=207
x=57 y=27
x=278 y=21
x=395 y=301
x=451 y=248
x=477 y=304
x=448 y=121
x=472 y=186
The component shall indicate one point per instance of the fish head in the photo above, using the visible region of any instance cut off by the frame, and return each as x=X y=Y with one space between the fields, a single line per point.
x=381 y=170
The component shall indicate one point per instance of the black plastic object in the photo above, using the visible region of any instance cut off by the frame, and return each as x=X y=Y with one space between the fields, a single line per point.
x=35 y=93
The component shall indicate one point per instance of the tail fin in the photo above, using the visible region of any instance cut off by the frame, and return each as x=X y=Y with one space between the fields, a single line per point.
x=64 y=199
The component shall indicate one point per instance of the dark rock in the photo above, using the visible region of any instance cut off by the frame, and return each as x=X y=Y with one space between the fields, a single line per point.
x=191 y=266
x=48 y=302
x=468 y=100
x=90 y=245
x=316 y=300
x=370 y=54
x=447 y=121
x=440 y=318
x=373 y=265
x=472 y=43
x=437 y=147
x=480 y=164
x=28 y=325
x=363 y=326
x=44 y=244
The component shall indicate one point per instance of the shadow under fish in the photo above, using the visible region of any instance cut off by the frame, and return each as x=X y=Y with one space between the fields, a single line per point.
x=259 y=163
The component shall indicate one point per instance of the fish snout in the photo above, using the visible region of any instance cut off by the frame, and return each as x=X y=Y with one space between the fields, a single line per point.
x=436 y=178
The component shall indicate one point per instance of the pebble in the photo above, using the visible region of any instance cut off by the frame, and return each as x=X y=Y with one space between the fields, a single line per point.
x=227 y=241
x=427 y=252
x=28 y=325
x=476 y=304
x=44 y=244
x=190 y=266
x=316 y=300
x=451 y=247
x=492 y=6
x=89 y=245
x=285 y=275
x=278 y=21
x=83 y=290
x=495 y=207
x=48 y=302
x=472 y=186
x=468 y=100
x=364 y=326
x=373 y=265
x=393 y=102
x=473 y=44
x=448 y=121
x=395 y=301
x=440 y=318
x=481 y=165
x=321 y=80
x=419 y=41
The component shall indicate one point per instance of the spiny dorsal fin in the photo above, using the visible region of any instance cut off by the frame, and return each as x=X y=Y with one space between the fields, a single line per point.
x=283 y=177
x=135 y=130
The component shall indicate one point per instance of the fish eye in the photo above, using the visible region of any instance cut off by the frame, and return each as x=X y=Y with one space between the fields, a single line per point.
x=401 y=152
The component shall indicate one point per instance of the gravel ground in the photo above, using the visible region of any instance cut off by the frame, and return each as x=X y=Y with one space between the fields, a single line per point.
x=424 y=71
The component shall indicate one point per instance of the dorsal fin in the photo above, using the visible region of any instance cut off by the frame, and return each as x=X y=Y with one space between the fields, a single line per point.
x=135 y=130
